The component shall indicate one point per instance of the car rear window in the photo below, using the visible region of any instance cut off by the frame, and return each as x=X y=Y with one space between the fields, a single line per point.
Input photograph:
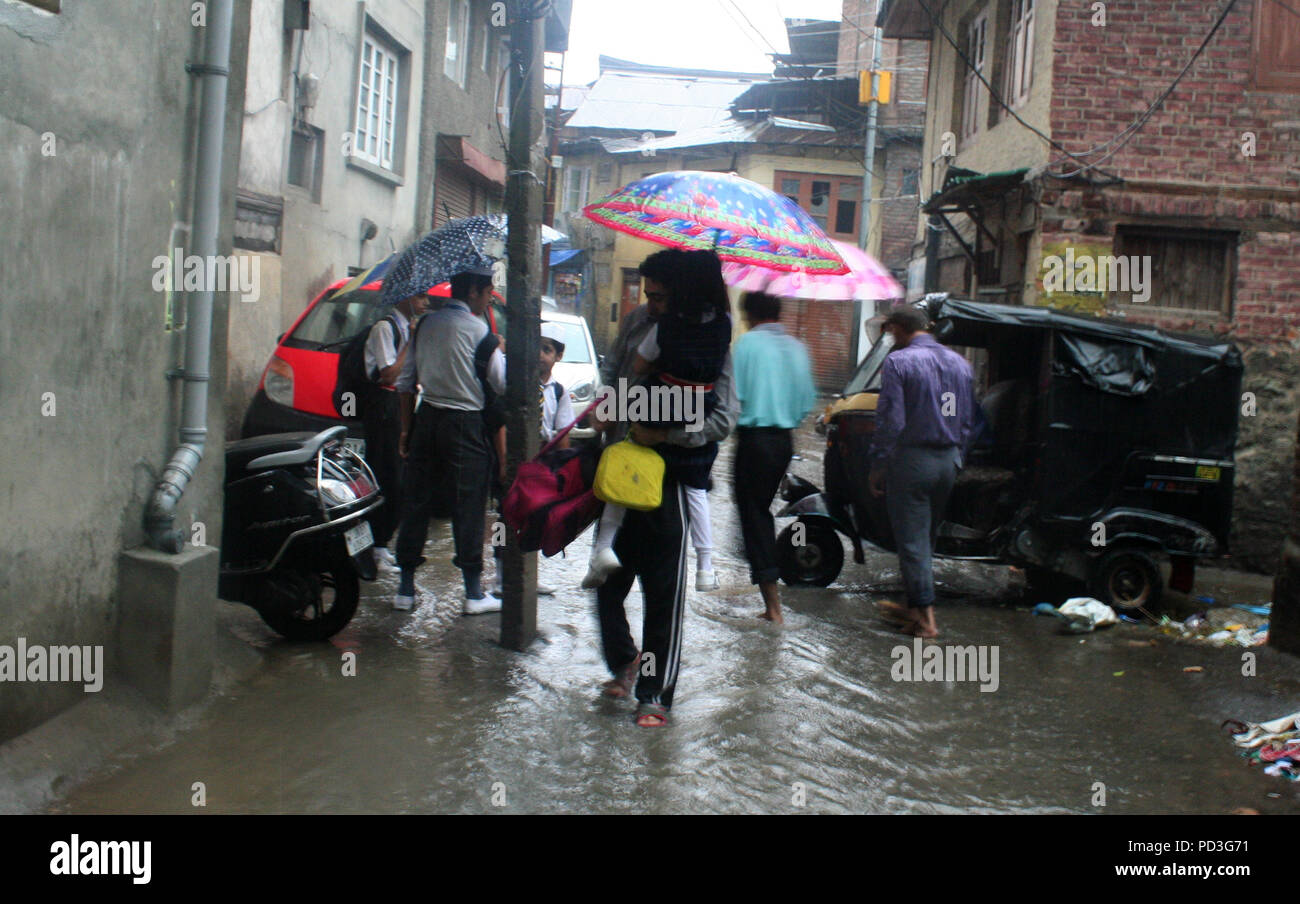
x=574 y=338
x=335 y=320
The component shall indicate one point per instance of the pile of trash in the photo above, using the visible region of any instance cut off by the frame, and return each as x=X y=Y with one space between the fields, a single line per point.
x=1225 y=628
x=1238 y=625
x=1274 y=745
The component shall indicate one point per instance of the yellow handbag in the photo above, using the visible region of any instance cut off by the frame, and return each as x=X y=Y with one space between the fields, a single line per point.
x=630 y=475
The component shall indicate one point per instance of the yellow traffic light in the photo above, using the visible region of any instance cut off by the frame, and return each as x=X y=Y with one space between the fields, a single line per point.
x=864 y=86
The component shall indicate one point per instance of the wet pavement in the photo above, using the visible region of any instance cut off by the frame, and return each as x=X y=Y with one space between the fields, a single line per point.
x=440 y=718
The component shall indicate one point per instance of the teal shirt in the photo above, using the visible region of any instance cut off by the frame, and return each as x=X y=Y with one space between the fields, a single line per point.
x=773 y=378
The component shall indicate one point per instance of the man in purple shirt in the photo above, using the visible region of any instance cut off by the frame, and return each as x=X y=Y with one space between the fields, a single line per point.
x=924 y=423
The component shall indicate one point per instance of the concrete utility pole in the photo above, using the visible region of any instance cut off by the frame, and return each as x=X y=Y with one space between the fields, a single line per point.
x=524 y=188
x=864 y=232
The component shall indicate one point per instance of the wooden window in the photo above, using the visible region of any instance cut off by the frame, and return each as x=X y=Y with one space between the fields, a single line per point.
x=1275 y=53
x=376 y=113
x=576 y=182
x=307 y=159
x=504 y=79
x=457 y=52
x=976 y=65
x=833 y=201
x=1020 y=53
x=1190 y=270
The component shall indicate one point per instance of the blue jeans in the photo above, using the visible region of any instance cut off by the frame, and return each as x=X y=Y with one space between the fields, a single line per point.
x=918 y=482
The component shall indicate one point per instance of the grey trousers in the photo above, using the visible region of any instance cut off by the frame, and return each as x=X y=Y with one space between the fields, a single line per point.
x=918 y=481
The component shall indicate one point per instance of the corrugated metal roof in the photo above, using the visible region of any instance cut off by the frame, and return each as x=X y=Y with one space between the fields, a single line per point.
x=657 y=103
x=735 y=131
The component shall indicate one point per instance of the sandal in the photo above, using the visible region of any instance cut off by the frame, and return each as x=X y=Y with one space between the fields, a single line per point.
x=621 y=684
x=651 y=715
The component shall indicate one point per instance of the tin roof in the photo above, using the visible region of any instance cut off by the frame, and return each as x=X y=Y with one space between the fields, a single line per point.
x=657 y=103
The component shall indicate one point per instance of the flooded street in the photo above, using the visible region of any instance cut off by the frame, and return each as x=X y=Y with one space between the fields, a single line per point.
x=439 y=718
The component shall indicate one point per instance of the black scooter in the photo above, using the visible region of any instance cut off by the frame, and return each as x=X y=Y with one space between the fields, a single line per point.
x=294 y=540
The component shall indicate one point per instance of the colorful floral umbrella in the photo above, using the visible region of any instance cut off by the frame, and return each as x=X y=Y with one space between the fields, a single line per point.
x=741 y=220
x=867 y=279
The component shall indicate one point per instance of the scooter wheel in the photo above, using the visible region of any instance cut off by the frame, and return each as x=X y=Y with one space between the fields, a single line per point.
x=816 y=561
x=326 y=603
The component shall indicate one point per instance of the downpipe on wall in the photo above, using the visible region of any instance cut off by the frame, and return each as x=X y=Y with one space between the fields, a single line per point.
x=160 y=514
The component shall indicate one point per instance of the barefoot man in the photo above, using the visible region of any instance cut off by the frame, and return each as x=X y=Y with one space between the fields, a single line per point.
x=924 y=421
x=775 y=387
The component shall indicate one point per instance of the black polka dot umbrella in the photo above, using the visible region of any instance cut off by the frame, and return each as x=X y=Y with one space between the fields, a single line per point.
x=470 y=243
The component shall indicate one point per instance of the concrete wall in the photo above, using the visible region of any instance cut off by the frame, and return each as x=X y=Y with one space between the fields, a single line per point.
x=81 y=319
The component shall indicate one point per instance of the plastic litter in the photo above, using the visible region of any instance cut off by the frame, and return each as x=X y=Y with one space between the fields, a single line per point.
x=1266 y=609
x=1045 y=609
x=1083 y=614
x=1274 y=744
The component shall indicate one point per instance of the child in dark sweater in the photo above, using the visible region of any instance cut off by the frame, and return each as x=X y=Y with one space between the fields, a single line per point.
x=684 y=352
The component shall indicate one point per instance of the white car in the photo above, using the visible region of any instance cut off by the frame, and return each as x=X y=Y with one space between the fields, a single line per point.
x=579 y=370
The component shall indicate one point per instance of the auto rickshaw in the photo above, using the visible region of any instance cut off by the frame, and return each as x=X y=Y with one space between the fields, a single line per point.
x=1103 y=448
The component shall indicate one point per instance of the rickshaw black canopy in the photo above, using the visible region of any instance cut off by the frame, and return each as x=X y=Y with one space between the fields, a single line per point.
x=1114 y=389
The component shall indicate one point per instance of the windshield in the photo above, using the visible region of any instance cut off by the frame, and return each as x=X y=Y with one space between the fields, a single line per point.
x=574 y=337
x=867 y=378
x=336 y=320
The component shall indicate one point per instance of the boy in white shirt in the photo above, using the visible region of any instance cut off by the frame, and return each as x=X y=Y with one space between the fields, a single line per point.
x=557 y=410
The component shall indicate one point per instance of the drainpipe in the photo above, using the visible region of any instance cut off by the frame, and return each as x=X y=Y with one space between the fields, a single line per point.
x=160 y=514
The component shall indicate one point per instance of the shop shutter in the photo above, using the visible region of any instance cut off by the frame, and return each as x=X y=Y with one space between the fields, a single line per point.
x=453 y=195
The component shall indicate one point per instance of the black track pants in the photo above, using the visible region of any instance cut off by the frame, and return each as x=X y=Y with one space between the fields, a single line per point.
x=652 y=546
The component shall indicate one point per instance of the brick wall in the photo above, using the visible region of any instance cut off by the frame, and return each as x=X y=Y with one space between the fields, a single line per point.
x=898 y=217
x=1187 y=162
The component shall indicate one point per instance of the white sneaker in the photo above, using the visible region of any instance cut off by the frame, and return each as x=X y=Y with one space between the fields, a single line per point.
x=384 y=556
x=403 y=603
x=487 y=603
x=706 y=580
x=544 y=590
x=603 y=564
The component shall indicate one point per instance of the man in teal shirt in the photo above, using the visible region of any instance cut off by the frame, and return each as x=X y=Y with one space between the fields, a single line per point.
x=775 y=388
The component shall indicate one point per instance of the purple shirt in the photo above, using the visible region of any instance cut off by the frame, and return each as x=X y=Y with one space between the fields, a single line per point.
x=926 y=399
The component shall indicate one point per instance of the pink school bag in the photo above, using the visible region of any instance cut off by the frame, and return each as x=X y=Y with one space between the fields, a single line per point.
x=551 y=502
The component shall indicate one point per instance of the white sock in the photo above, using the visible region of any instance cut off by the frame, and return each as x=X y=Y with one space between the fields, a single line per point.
x=704 y=559
x=607 y=530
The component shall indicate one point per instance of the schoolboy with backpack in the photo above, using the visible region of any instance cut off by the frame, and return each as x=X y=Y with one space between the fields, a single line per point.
x=368 y=367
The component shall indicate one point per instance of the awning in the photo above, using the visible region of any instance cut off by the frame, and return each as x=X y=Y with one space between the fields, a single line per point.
x=458 y=149
x=963 y=186
x=560 y=255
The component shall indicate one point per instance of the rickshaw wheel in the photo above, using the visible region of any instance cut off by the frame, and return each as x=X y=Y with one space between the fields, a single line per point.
x=817 y=562
x=1126 y=579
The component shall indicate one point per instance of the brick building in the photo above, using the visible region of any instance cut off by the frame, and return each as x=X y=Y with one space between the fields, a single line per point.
x=1063 y=132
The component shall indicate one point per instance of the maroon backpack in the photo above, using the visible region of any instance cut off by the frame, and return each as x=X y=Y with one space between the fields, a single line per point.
x=550 y=502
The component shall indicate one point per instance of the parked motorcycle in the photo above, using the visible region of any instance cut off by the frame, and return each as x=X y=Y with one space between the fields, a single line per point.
x=294 y=542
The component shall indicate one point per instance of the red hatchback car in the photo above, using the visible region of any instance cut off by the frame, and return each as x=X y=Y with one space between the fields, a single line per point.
x=297 y=387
